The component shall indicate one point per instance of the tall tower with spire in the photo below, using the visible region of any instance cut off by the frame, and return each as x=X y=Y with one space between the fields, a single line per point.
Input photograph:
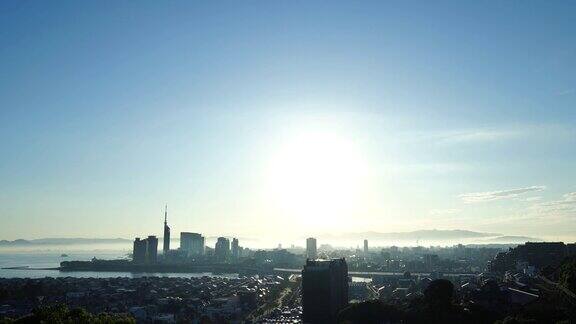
x=166 y=231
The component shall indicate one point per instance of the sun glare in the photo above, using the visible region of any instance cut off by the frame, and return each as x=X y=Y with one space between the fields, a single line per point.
x=318 y=178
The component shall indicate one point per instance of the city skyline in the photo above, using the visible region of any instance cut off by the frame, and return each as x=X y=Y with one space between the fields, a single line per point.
x=279 y=121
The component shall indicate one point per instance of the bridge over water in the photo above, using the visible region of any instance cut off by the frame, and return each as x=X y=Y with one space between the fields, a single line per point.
x=381 y=273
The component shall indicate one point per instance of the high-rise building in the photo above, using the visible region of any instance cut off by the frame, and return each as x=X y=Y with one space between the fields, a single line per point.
x=365 y=247
x=324 y=290
x=139 y=251
x=235 y=249
x=311 y=252
x=151 y=249
x=430 y=261
x=192 y=243
x=146 y=250
x=186 y=241
x=166 y=246
x=222 y=249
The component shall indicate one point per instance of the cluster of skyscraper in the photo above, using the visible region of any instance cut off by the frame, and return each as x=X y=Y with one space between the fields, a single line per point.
x=191 y=245
x=226 y=251
x=146 y=250
x=324 y=282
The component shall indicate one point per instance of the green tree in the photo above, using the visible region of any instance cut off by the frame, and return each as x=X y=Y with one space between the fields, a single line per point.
x=60 y=314
x=568 y=274
x=373 y=311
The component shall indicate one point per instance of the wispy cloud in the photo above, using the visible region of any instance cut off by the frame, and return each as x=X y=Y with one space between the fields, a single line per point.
x=479 y=136
x=529 y=199
x=567 y=203
x=501 y=134
x=476 y=135
x=442 y=212
x=476 y=197
x=422 y=168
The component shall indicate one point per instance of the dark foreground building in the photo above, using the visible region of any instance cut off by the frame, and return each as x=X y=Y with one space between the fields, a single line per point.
x=324 y=290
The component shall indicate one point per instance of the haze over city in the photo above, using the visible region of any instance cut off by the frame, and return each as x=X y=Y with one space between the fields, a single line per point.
x=277 y=122
x=303 y=162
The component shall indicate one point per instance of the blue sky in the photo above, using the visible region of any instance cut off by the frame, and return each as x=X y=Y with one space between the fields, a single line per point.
x=436 y=114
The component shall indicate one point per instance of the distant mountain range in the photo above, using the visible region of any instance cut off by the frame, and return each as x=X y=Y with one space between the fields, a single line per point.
x=427 y=235
x=423 y=236
x=62 y=241
x=512 y=239
x=432 y=236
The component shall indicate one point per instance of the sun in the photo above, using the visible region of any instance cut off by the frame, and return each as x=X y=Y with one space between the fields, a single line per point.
x=317 y=177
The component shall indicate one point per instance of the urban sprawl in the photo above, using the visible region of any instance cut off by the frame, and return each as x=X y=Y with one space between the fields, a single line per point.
x=532 y=282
